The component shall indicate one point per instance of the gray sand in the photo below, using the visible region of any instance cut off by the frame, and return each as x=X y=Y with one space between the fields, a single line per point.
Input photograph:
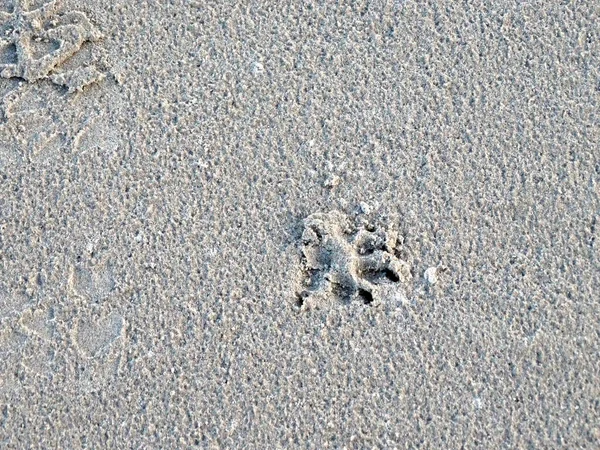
x=336 y=224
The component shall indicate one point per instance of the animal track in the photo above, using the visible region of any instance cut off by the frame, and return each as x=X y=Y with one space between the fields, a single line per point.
x=347 y=260
x=27 y=132
x=39 y=322
x=97 y=134
x=36 y=335
x=37 y=125
x=26 y=340
x=95 y=335
x=40 y=349
x=94 y=284
x=42 y=40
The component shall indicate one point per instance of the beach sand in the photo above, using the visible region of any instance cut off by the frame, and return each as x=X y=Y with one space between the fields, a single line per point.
x=300 y=224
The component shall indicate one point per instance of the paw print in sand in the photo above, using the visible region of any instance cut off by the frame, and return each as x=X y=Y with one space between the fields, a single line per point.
x=94 y=284
x=346 y=261
x=27 y=338
x=95 y=335
x=91 y=287
x=98 y=338
x=97 y=330
x=60 y=36
x=81 y=339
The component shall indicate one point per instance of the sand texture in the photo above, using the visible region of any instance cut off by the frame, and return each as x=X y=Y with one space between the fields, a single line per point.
x=359 y=224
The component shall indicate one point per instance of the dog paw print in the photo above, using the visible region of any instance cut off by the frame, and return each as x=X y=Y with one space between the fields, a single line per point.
x=92 y=283
x=97 y=331
x=347 y=260
x=98 y=338
x=37 y=126
x=39 y=322
x=43 y=39
x=95 y=335
x=26 y=338
x=29 y=130
x=81 y=338
x=39 y=352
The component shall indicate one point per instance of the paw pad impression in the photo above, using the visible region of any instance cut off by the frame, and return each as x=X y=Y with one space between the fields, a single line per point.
x=346 y=259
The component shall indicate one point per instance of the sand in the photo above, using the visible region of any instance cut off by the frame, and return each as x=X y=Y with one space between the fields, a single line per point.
x=300 y=224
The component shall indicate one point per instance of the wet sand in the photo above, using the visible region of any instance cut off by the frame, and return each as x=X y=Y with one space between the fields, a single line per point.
x=355 y=224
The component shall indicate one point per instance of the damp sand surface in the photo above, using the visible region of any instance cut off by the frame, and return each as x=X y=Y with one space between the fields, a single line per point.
x=354 y=224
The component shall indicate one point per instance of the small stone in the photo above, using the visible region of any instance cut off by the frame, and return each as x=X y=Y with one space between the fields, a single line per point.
x=333 y=181
x=257 y=68
x=431 y=275
x=365 y=208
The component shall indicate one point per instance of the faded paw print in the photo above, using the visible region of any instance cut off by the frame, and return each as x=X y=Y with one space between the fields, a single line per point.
x=30 y=130
x=40 y=349
x=346 y=260
x=37 y=125
x=43 y=40
x=81 y=338
x=96 y=335
x=39 y=321
x=99 y=341
x=27 y=340
x=92 y=283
